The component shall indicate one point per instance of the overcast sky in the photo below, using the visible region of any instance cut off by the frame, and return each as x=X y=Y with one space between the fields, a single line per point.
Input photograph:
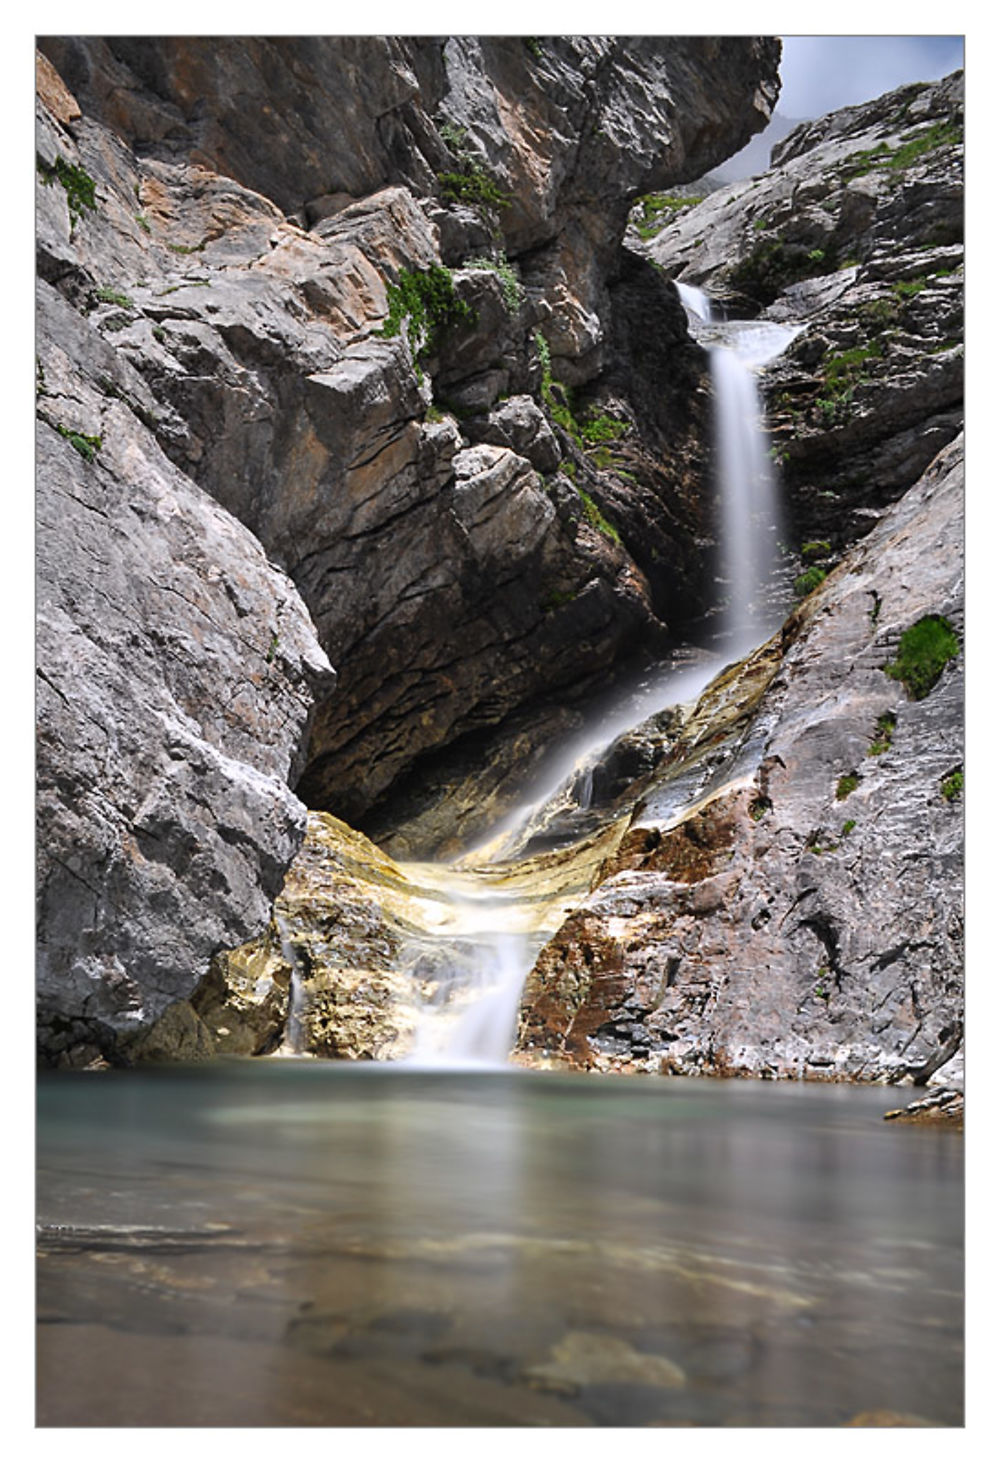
x=821 y=73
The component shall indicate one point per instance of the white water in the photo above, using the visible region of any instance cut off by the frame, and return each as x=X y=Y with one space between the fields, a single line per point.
x=292 y=1044
x=749 y=528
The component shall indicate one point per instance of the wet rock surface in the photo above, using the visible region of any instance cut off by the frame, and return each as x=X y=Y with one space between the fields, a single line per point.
x=802 y=916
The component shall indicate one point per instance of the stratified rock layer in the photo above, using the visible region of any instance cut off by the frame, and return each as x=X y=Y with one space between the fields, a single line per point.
x=258 y=202
x=802 y=916
x=176 y=670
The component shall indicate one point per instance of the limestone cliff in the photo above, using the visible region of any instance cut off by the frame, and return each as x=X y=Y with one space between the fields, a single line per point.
x=801 y=916
x=856 y=232
x=278 y=430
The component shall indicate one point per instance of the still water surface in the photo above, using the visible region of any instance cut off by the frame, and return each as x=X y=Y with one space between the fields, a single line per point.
x=310 y=1244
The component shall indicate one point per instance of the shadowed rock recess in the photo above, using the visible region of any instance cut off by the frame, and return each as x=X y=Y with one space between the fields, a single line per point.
x=374 y=446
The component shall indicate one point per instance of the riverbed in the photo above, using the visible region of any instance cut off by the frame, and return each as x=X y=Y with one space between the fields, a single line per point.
x=304 y=1243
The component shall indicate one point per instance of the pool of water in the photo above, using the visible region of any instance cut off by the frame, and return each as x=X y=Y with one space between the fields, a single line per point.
x=300 y=1243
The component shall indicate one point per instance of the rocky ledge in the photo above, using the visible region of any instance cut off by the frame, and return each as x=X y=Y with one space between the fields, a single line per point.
x=801 y=916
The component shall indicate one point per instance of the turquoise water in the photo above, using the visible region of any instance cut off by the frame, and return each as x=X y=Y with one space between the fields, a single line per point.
x=319 y=1244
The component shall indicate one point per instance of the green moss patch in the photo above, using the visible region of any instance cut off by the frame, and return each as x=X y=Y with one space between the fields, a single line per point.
x=807 y=582
x=78 y=184
x=952 y=785
x=426 y=298
x=924 y=651
x=884 y=729
x=846 y=785
x=657 y=209
x=596 y=518
x=88 y=447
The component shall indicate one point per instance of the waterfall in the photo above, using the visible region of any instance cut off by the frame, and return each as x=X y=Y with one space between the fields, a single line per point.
x=749 y=511
x=291 y=1046
x=493 y=952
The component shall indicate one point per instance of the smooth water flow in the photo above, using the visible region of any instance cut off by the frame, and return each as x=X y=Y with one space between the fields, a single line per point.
x=485 y=977
x=749 y=506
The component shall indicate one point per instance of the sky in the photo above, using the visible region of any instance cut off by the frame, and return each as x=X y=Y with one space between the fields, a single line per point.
x=821 y=73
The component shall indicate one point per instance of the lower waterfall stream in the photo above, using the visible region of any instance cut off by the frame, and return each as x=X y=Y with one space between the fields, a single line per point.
x=470 y=1015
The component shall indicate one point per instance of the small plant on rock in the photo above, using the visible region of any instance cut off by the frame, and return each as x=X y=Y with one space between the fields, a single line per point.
x=807 y=582
x=88 y=447
x=425 y=301
x=952 y=785
x=79 y=186
x=846 y=785
x=924 y=651
x=510 y=285
x=885 y=726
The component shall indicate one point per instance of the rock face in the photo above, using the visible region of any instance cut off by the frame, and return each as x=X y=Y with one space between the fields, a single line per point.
x=361 y=947
x=855 y=231
x=176 y=671
x=801 y=916
x=286 y=388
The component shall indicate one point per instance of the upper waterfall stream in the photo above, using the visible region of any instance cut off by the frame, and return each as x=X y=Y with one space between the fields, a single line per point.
x=492 y=927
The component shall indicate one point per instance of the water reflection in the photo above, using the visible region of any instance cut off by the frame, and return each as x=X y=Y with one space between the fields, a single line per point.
x=317 y=1244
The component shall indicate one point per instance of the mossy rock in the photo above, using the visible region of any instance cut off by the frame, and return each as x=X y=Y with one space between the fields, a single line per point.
x=924 y=651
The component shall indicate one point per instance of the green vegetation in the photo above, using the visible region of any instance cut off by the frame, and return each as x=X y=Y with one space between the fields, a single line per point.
x=884 y=728
x=851 y=824
x=841 y=374
x=915 y=144
x=143 y=223
x=846 y=785
x=426 y=299
x=77 y=182
x=807 y=582
x=534 y=45
x=186 y=248
x=952 y=785
x=159 y=333
x=469 y=182
x=108 y=296
x=815 y=549
x=513 y=290
x=88 y=447
x=603 y=428
x=474 y=185
x=846 y=368
x=771 y=266
x=924 y=651
x=904 y=288
x=759 y=807
x=556 y=598
x=880 y=312
x=658 y=208
x=272 y=648
x=596 y=518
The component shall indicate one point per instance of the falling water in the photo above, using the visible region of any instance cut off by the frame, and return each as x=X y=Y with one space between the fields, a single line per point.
x=292 y=1044
x=749 y=502
x=495 y=951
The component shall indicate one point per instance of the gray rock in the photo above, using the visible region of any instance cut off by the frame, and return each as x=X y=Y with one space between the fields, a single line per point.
x=518 y=423
x=792 y=923
x=176 y=673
